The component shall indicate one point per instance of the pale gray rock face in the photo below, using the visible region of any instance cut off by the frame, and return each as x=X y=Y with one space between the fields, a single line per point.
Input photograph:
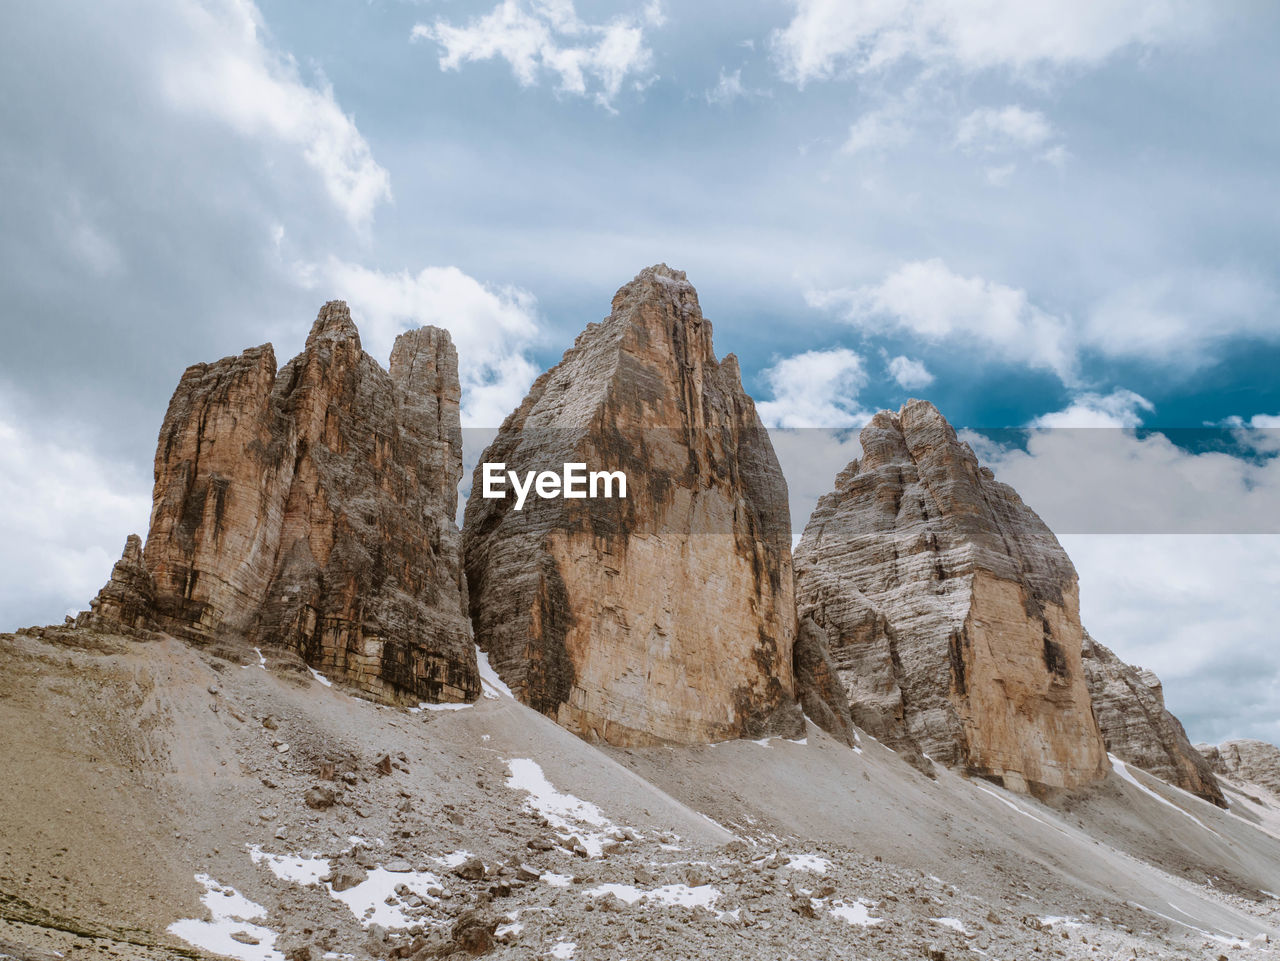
x=667 y=616
x=1129 y=704
x=818 y=685
x=951 y=610
x=1247 y=760
x=313 y=509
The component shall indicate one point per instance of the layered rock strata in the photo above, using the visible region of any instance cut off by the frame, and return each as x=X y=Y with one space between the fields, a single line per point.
x=951 y=610
x=1137 y=728
x=314 y=508
x=667 y=615
x=1246 y=760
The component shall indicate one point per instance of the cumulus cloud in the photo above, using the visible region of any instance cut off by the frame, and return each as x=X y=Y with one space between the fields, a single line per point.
x=1178 y=317
x=1178 y=321
x=727 y=90
x=990 y=128
x=1177 y=546
x=1120 y=408
x=877 y=130
x=910 y=374
x=63 y=504
x=826 y=38
x=818 y=388
x=929 y=301
x=493 y=327
x=225 y=69
x=549 y=36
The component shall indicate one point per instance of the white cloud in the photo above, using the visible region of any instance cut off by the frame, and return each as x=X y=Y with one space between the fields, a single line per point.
x=877 y=130
x=826 y=38
x=492 y=327
x=927 y=300
x=728 y=89
x=910 y=374
x=225 y=69
x=1120 y=408
x=1178 y=553
x=548 y=35
x=1178 y=317
x=70 y=511
x=1177 y=320
x=994 y=129
x=818 y=388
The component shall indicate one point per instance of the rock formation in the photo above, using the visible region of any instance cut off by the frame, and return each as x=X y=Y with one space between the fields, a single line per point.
x=951 y=610
x=128 y=597
x=667 y=616
x=1245 y=760
x=314 y=508
x=1129 y=705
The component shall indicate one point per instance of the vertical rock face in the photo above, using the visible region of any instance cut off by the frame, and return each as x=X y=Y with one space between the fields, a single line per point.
x=1247 y=760
x=951 y=610
x=667 y=616
x=314 y=509
x=128 y=597
x=1129 y=705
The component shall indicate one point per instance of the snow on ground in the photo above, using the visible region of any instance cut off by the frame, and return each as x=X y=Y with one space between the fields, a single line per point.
x=230 y=913
x=454 y=858
x=374 y=900
x=320 y=677
x=855 y=913
x=491 y=685
x=262 y=661
x=428 y=706
x=556 y=880
x=564 y=812
x=670 y=895
x=955 y=924
x=1017 y=807
x=1062 y=922
x=1123 y=770
x=563 y=949
x=807 y=862
x=291 y=867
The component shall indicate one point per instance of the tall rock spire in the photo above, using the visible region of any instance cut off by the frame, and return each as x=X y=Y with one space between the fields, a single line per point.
x=667 y=616
x=950 y=609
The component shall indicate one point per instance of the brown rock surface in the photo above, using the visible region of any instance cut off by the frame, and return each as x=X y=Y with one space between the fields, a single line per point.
x=127 y=598
x=951 y=610
x=1129 y=705
x=667 y=616
x=314 y=509
x=1247 y=760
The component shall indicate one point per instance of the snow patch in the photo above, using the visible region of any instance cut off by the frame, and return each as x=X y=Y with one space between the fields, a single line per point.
x=563 y=949
x=291 y=867
x=262 y=661
x=955 y=924
x=556 y=880
x=491 y=685
x=374 y=900
x=1123 y=770
x=808 y=862
x=320 y=677
x=229 y=913
x=454 y=858
x=564 y=812
x=1005 y=801
x=1061 y=922
x=670 y=895
x=856 y=913
x=428 y=706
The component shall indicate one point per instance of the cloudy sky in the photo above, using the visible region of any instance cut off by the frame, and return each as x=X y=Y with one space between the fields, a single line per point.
x=1059 y=216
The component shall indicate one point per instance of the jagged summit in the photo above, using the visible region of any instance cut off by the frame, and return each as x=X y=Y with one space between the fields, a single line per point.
x=667 y=615
x=950 y=609
x=313 y=509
